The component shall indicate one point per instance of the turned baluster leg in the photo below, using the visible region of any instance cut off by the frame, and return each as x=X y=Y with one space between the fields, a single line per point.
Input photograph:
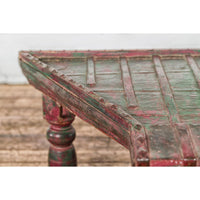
x=60 y=134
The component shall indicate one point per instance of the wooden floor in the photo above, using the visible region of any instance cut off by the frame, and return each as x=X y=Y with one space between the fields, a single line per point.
x=23 y=134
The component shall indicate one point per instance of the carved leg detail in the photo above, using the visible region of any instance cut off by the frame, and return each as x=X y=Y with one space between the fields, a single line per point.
x=60 y=134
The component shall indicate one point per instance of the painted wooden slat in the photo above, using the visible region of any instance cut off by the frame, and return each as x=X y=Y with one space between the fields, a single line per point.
x=195 y=68
x=108 y=82
x=166 y=90
x=140 y=66
x=181 y=132
x=195 y=132
x=189 y=158
x=163 y=94
x=175 y=65
x=182 y=81
x=91 y=72
x=76 y=66
x=164 y=150
x=150 y=100
x=109 y=53
x=107 y=66
x=128 y=85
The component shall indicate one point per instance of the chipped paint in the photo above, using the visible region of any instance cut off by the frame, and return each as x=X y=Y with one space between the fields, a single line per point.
x=158 y=132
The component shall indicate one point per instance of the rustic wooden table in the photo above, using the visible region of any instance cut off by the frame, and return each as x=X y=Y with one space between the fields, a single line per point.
x=146 y=100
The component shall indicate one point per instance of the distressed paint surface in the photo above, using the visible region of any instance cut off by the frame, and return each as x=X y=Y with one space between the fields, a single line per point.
x=91 y=72
x=60 y=134
x=75 y=104
x=128 y=85
x=164 y=86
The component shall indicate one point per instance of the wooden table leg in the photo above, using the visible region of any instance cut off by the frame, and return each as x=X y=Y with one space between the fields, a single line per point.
x=60 y=134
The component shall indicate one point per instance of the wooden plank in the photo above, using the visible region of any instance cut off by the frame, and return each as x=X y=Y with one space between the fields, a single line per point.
x=23 y=142
x=43 y=164
x=166 y=90
x=68 y=66
x=164 y=149
x=182 y=81
x=23 y=156
x=33 y=146
x=84 y=156
x=187 y=102
x=21 y=127
x=39 y=142
x=186 y=145
x=110 y=53
x=91 y=73
x=190 y=119
x=16 y=88
x=37 y=126
x=152 y=120
x=194 y=67
x=24 y=164
x=108 y=82
x=145 y=81
x=19 y=102
x=181 y=132
x=150 y=101
x=128 y=85
x=195 y=133
x=140 y=66
x=107 y=164
x=117 y=98
x=20 y=112
x=176 y=66
x=107 y=66
x=17 y=91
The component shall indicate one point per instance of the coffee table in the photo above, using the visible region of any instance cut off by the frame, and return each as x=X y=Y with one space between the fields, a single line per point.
x=146 y=100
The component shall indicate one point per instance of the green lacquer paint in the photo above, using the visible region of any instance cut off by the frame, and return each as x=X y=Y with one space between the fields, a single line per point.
x=78 y=54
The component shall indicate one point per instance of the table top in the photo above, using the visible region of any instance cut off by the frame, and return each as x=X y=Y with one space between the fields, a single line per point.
x=147 y=100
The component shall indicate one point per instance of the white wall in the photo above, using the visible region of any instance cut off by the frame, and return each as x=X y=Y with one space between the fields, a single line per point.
x=10 y=44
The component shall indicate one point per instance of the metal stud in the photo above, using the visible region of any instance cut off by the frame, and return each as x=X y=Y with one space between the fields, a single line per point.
x=124 y=114
x=101 y=100
x=70 y=79
x=111 y=105
x=36 y=59
x=63 y=76
x=80 y=86
x=44 y=65
x=90 y=92
x=142 y=151
x=114 y=107
x=138 y=126
x=140 y=138
x=50 y=69
x=59 y=73
x=54 y=71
